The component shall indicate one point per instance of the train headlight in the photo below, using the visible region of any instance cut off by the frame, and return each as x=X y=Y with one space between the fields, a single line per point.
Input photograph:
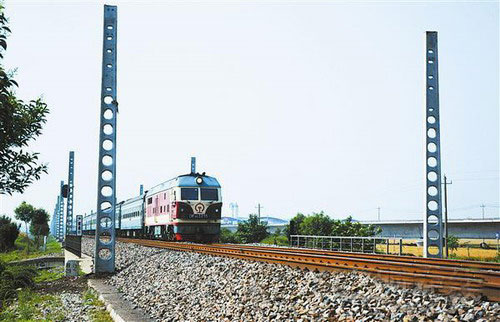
x=199 y=180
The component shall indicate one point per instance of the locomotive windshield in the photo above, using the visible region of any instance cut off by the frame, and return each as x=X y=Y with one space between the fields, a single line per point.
x=209 y=194
x=189 y=193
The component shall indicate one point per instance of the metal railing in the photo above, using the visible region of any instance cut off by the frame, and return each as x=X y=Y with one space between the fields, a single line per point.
x=374 y=245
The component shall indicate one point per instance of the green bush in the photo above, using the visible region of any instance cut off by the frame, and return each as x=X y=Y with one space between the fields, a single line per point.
x=452 y=242
x=279 y=240
x=226 y=236
x=9 y=232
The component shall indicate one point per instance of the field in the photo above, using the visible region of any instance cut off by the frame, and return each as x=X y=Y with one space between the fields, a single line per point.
x=469 y=249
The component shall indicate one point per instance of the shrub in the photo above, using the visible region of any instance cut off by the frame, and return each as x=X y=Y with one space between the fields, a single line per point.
x=276 y=240
x=452 y=242
x=8 y=234
x=227 y=236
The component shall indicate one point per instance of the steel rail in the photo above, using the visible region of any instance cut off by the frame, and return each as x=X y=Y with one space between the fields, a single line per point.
x=443 y=278
x=409 y=259
x=490 y=277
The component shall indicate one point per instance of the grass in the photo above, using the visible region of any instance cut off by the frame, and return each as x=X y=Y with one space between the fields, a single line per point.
x=49 y=275
x=21 y=249
x=99 y=314
x=465 y=253
x=29 y=306
x=471 y=258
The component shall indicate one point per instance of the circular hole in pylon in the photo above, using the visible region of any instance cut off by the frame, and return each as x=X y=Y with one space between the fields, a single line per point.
x=107 y=175
x=432 y=176
x=432 y=205
x=432 y=191
x=433 y=234
x=105 y=254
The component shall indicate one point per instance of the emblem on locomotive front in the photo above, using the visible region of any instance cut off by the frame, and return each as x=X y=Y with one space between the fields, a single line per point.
x=199 y=207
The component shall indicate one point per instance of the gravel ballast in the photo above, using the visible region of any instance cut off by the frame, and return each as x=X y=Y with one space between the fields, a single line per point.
x=172 y=285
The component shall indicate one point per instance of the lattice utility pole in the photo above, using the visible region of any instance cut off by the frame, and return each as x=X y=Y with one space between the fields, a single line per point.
x=104 y=259
x=70 y=192
x=55 y=218
x=53 y=221
x=433 y=221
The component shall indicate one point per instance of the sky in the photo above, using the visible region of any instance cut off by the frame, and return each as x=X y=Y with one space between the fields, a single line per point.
x=299 y=106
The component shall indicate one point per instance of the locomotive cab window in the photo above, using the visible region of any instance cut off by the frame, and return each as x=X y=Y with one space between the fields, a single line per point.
x=189 y=193
x=209 y=194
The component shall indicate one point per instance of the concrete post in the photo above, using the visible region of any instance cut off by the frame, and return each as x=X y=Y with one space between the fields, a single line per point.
x=104 y=257
x=71 y=187
x=433 y=221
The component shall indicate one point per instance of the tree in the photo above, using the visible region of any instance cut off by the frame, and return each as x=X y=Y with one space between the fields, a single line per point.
x=348 y=227
x=251 y=231
x=317 y=224
x=452 y=242
x=24 y=212
x=8 y=233
x=39 y=225
x=20 y=123
x=293 y=227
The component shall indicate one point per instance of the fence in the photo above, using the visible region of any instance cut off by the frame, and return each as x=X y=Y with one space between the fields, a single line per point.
x=73 y=244
x=379 y=245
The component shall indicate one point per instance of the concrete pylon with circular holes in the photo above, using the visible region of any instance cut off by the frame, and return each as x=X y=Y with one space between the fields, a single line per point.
x=433 y=220
x=104 y=259
x=60 y=213
x=71 y=188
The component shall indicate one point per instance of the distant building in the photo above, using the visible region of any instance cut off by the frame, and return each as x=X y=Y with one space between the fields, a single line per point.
x=228 y=221
x=273 y=223
x=234 y=209
x=461 y=228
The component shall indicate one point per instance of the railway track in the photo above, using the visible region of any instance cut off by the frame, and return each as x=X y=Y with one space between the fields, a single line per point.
x=446 y=276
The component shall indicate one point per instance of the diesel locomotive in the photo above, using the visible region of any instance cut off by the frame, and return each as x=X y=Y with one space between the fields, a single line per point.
x=185 y=208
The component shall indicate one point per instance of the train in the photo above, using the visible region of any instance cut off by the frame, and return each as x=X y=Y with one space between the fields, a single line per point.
x=185 y=208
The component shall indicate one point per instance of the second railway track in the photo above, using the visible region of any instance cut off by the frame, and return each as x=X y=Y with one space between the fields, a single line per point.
x=467 y=277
